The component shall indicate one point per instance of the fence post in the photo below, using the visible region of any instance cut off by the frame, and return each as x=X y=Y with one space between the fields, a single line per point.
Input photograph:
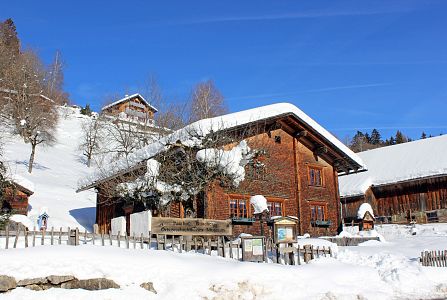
x=181 y=243
x=164 y=242
x=17 y=236
x=238 y=246
x=134 y=241
x=52 y=235
x=110 y=238
x=127 y=241
x=60 y=236
x=172 y=242
x=34 y=236
x=231 y=249
x=7 y=237
x=118 y=238
x=26 y=238
x=141 y=241
x=150 y=240
x=210 y=245
x=42 y=241
x=195 y=244
x=299 y=254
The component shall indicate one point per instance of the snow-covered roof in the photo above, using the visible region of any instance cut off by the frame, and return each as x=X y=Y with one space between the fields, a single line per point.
x=365 y=207
x=206 y=126
x=402 y=162
x=23 y=182
x=129 y=98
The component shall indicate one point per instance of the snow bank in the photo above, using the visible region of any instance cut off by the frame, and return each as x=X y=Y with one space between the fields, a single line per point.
x=118 y=225
x=24 y=220
x=140 y=223
x=365 y=207
x=397 y=163
x=259 y=203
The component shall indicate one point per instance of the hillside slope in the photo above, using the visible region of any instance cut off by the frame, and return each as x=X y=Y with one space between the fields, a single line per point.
x=56 y=172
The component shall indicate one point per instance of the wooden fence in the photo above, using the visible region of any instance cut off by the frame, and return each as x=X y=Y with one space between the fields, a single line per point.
x=435 y=258
x=350 y=241
x=276 y=253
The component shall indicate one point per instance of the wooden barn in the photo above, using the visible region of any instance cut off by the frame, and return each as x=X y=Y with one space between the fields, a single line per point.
x=16 y=195
x=405 y=182
x=133 y=107
x=296 y=169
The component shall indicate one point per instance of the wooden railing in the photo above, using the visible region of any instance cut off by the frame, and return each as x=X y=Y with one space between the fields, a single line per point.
x=291 y=253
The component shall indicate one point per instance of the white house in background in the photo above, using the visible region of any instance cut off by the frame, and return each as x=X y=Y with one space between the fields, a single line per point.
x=132 y=108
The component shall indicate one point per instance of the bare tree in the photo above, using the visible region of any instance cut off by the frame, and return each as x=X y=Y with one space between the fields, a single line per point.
x=122 y=138
x=92 y=138
x=171 y=114
x=179 y=172
x=33 y=116
x=206 y=101
x=54 y=80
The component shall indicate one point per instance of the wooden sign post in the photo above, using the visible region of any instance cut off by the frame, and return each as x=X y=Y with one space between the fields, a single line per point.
x=253 y=248
x=189 y=226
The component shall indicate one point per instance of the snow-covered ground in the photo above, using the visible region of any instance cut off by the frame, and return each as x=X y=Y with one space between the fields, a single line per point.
x=56 y=172
x=374 y=270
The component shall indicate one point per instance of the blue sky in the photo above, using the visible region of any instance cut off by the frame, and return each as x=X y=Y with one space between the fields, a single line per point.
x=348 y=64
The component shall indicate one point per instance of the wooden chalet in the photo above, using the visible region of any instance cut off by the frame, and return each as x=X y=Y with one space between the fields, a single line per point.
x=296 y=170
x=16 y=195
x=133 y=107
x=404 y=183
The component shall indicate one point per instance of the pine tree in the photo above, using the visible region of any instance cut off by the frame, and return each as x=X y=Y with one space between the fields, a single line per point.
x=392 y=141
x=86 y=110
x=8 y=36
x=375 y=137
x=424 y=135
x=358 y=142
x=400 y=138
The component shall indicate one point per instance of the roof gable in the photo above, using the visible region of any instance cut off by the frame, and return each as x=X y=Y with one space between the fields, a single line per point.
x=127 y=98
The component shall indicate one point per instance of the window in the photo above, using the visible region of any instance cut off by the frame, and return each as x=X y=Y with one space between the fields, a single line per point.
x=238 y=208
x=318 y=212
x=315 y=176
x=275 y=208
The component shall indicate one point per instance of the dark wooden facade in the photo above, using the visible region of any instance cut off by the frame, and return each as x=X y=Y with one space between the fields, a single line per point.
x=422 y=200
x=16 y=199
x=297 y=173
